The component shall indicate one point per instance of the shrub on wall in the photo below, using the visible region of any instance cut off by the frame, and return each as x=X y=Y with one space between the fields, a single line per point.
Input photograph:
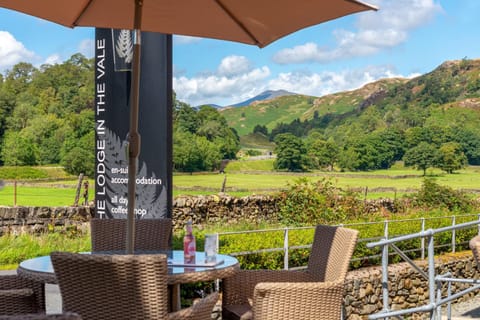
x=317 y=202
x=433 y=195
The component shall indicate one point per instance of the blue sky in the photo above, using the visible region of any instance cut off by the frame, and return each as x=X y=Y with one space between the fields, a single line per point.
x=404 y=38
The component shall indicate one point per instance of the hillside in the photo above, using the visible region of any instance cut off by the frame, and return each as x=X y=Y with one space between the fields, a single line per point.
x=266 y=95
x=267 y=113
x=454 y=84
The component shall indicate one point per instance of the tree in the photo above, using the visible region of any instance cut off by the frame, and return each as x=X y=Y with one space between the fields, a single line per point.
x=18 y=150
x=194 y=153
x=260 y=129
x=451 y=157
x=185 y=156
x=291 y=153
x=47 y=133
x=185 y=118
x=323 y=154
x=78 y=161
x=421 y=157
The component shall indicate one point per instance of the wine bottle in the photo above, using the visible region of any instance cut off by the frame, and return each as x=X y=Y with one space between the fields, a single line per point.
x=189 y=244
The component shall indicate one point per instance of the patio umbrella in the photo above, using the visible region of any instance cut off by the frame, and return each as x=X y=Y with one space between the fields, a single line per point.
x=256 y=22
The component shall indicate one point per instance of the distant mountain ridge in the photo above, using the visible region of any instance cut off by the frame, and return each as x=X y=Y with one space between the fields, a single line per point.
x=266 y=95
x=453 y=84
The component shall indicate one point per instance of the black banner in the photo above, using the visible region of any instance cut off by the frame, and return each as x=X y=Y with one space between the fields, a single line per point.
x=113 y=57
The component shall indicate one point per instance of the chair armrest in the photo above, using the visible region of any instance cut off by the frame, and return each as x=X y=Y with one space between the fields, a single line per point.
x=238 y=289
x=14 y=287
x=298 y=301
x=201 y=310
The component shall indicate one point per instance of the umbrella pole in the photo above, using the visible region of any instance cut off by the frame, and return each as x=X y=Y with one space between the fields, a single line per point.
x=134 y=136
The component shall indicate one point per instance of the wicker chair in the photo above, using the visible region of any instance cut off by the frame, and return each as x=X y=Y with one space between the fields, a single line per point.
x=43 y=316
x=315 y=294
x=150 y=234
x=120 y=287
x=475 y=247
x=20 y=296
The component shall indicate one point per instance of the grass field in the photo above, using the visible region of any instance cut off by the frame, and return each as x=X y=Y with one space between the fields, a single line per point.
x=246 y=177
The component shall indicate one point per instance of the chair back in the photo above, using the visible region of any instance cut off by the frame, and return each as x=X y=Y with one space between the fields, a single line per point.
x=474 y=245
x=43 y=316
x=150 y=234
x=116 y=287
x=332 y=250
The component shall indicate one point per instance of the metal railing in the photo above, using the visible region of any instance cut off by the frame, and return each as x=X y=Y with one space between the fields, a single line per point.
x=436 y=301
x=416 y=225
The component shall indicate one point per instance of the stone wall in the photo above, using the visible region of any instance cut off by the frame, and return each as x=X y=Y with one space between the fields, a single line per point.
x=200 y=209
x=223 y=208
x=407 y=288
x=40 y=219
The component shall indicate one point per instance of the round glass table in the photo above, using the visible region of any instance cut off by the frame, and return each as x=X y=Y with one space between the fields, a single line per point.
x=179 y=272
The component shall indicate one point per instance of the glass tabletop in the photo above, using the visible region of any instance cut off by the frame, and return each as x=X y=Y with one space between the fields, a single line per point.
x=176 y=263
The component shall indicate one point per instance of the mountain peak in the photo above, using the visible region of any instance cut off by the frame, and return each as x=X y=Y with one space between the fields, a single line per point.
x=266 y=95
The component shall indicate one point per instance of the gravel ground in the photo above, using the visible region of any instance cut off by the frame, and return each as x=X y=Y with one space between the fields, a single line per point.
x=469 y=309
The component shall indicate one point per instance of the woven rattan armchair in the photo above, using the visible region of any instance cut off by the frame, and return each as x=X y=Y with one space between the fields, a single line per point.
x=150 y=234
x=20 y=296
x=120 y=287
x=43 y=316
x=475 y=247
x=313 y=294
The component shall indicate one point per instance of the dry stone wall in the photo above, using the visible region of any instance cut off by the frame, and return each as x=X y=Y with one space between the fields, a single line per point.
x=201 y=210
x=407 y=288
x=223 y=209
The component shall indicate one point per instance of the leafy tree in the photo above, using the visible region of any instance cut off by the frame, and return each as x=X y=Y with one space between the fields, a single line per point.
x=451 y=157
x=421 y=157
x=291 y=153
x=47 y=134
x=470 y=142
x=185 y=156
x=194 y=153
x=260 y=129
x=79 y=145
x=323 y=154
x=77 y=161
x=209 y=152
x=185 y=118
x=348 y=159
x=18 y=150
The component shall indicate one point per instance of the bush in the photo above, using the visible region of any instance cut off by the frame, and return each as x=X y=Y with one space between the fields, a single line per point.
x=319 y=202
x=433 y=195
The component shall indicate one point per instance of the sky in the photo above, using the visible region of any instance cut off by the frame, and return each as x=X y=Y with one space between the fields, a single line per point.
x=404 y=38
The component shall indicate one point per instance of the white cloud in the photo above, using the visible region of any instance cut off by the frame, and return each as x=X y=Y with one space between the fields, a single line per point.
x=234 y=65
x=386 y=28
x=225 y=88
x=12 y=52
x=87 y=48
x=53 y=59
x=235 y=80
x=328 y=82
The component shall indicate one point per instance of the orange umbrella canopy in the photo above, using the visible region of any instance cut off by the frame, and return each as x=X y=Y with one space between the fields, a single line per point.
x=257 y=22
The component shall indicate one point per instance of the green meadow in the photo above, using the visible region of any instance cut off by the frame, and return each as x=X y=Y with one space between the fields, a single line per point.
x=244 y=177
